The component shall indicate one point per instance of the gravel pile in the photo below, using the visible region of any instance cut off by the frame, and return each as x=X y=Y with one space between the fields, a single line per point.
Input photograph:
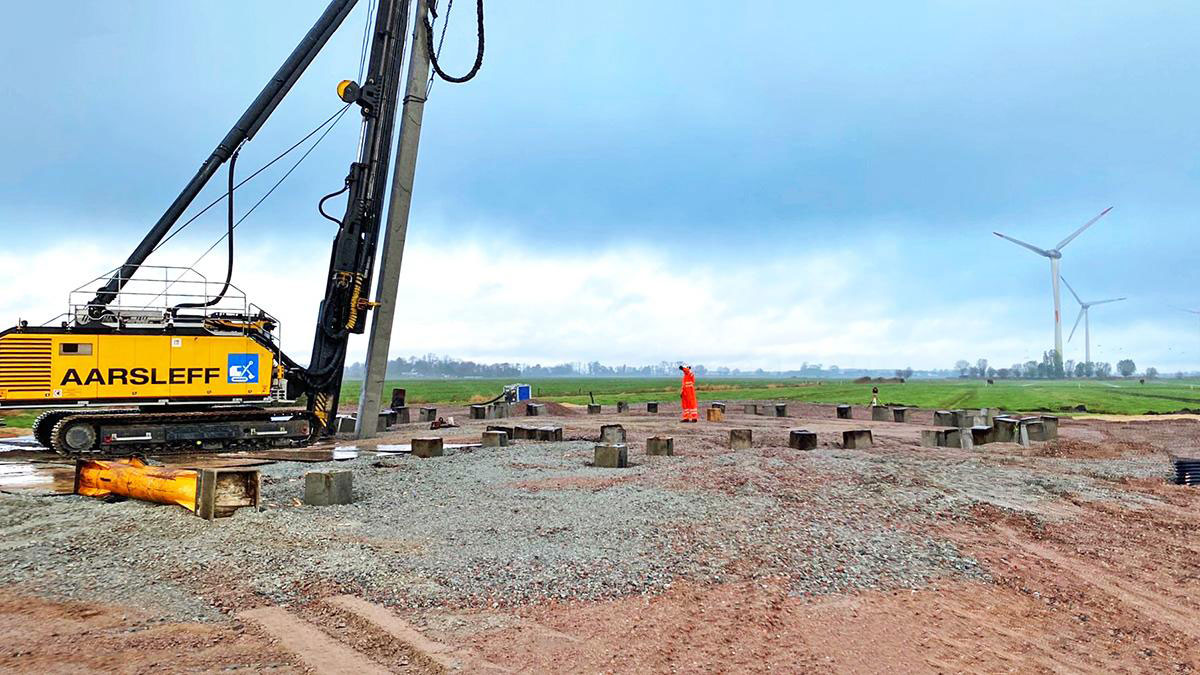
x=528 y=523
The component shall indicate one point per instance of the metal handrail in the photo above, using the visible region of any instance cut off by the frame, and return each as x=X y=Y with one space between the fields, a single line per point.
x=142 y=293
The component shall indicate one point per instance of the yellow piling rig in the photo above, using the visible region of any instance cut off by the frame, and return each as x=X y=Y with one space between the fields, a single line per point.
x=209 y=493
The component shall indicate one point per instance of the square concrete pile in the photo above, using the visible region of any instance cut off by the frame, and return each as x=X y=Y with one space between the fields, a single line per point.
x=802 y=439
x=660 y=446
x=495 y=439
x=740 y=439
x=857 y=438
x=612 y=433
x=328 y=488
x=427 y=447
x=611 y=456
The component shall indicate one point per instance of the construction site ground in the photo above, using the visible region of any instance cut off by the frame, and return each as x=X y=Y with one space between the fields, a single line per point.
x=1074 y=555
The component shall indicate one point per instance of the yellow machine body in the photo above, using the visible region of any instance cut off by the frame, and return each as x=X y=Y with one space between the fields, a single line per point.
x=46 y=368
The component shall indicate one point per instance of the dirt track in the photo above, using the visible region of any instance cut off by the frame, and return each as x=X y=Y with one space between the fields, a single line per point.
x=1071 y=556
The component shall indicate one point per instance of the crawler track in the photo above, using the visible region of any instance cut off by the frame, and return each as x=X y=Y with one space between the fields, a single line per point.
x=123 y=433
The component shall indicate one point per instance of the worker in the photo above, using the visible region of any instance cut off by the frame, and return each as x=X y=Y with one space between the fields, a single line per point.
x=687 y=396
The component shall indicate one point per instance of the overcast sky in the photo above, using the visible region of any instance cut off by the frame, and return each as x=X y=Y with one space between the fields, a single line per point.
x=636 y=182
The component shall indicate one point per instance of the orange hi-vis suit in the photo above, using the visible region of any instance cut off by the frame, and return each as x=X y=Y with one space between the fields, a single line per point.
x=687 y=395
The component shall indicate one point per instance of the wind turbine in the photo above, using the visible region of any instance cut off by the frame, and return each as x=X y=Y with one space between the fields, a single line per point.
x=1055 y=256
x=1189 y=311
x=1083 y=314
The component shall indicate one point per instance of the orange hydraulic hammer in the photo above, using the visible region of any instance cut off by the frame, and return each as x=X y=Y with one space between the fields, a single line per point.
x=209 y=493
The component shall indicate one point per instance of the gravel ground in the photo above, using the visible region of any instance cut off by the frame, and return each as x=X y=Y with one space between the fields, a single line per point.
x=526 y=523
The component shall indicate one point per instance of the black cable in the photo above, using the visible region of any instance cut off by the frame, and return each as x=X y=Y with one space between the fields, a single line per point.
x=336 y=118
x=331 y=195
x=366 y=40
x=273 y=188
x=229 y=268
x=433 y=57
x=251 y=177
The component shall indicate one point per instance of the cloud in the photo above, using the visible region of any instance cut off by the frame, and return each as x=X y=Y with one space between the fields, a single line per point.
x=497 y=300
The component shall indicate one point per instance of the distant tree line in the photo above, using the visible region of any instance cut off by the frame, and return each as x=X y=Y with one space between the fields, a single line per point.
x=1048 y=368
x=432 y=365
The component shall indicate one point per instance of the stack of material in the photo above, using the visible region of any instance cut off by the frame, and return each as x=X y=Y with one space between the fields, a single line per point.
x=1187 y=471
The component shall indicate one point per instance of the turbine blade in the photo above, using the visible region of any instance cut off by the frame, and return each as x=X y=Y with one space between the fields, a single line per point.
x=1077 y=320
x=1018 y=242
x=1086 y=225
x=1064 y=280
x=1184 y=309
x=1101 y=302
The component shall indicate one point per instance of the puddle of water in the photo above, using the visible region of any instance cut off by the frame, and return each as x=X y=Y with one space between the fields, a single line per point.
x=19 y=443
x=39 y=478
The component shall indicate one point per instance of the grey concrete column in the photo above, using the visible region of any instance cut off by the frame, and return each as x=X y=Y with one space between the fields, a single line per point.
x=399 y=204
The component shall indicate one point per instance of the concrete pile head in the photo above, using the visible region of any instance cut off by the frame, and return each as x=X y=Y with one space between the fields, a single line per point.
x=980 y=434
x=511 y=432
x=964 y=419
x=612 y=433
x=1005 y=430
x=1050 y=425
x=781 y=410
x=714 y=415
x=843 y=412
x=495 y=439
x=949 y=437
x=660 y=446
x=802 y=439
x=479 y=412
x=857 y=438
x=328 y=488
x=943 y=418
x=622 y=407
x=899 y=414
x=1032 y=429
x=427 y=447
x=534 y=409
x=740 y=439
x=881 y=413
x=611 y=456
x=652 y=407
x=593 y=408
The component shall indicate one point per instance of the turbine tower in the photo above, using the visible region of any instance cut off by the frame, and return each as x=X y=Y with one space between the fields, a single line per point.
x=1083 y=314
x=1055 y=256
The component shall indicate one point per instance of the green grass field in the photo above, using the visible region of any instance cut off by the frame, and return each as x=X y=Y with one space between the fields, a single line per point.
x=1110 y=396
x=1124 y=397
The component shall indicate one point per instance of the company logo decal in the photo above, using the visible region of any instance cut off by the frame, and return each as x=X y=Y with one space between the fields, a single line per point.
x=243 y=368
